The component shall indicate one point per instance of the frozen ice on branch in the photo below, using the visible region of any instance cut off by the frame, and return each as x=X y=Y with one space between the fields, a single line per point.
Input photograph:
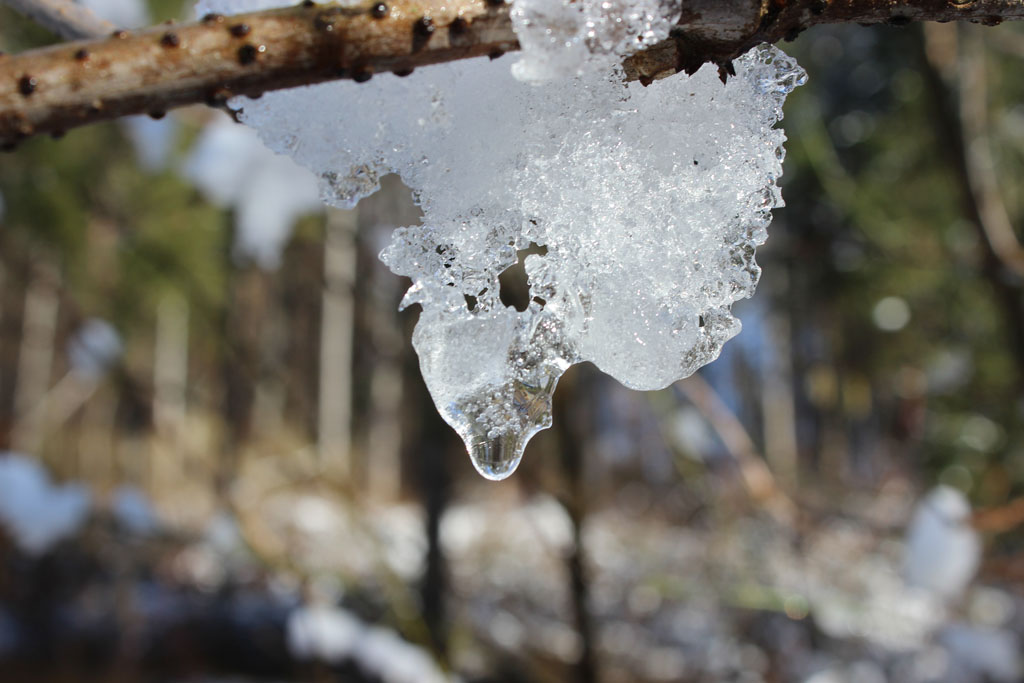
x=562 y=38
x=642 y=205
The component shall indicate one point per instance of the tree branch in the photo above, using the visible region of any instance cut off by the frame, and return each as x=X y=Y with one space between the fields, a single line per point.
x=67 y=19
x=718 y=31
x=53 y=89
x=757 y=477
x=56 y=88
x=938 y=59
x=980 y=166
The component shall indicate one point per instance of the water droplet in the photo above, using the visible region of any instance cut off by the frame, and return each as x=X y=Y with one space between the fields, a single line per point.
x=497 y=425
x=496 y=458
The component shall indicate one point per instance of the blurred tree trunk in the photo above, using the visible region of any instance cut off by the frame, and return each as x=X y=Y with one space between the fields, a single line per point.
x=427 y=442
x=337 y=322
x=245 y=313
x=268 y=412
x=35 y=358
x=778 y=409
x=379 y=373
x=301 y=282
x=97 y=441
x=572 y=428
x=387 y=385
x=11 y=312
x=170 y=367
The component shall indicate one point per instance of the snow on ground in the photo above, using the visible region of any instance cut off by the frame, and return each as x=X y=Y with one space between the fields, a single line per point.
x=33 y=510
x=133 y=511
x=993 y=654
x=943 y=551
x=9 y=629
x=333 y=635
x=669 y=600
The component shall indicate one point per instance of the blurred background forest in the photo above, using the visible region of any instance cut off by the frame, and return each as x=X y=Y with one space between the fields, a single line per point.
x=220 y=463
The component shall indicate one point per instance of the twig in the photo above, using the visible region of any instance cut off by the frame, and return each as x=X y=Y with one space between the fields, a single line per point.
x=67 y=19
x=53 y=89
x=980 y=166
x=757 y=478
x=1000 y=519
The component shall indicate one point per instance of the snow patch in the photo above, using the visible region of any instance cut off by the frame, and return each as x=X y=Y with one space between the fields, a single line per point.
x=943 y=551
x=153 y=140
x=268 y=192
x=323 y=633
x=37 y=513
x=133 y=511
x=334 y=635
x=10 y=634
x=94 y=348
x=121 y=13
x=989 y=653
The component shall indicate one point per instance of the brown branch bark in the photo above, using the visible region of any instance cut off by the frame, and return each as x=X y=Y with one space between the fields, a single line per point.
x=56 y=88
x=53 y=89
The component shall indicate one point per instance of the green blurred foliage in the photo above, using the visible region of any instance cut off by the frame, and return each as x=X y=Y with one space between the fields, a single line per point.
x=871 y=186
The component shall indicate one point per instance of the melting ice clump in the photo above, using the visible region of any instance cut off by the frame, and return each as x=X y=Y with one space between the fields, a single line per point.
x=649 y=202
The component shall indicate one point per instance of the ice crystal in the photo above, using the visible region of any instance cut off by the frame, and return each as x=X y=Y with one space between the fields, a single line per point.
x=644 y=203
x=560 y=39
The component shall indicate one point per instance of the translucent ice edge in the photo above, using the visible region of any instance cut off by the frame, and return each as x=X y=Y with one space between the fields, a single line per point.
x=645 y=203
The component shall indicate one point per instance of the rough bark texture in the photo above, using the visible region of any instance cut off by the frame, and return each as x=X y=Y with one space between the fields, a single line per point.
x=718 y=31
x=53 y=89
